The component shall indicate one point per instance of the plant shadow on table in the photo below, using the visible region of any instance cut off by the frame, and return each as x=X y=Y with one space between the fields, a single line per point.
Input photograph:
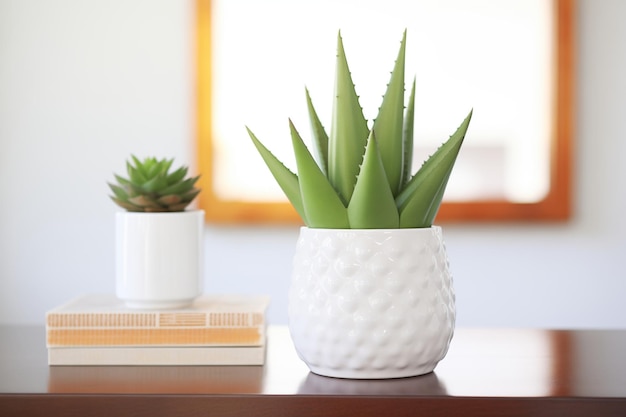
x=427 y=384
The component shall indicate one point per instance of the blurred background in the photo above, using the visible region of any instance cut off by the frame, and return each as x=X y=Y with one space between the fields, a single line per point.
x=83 y=84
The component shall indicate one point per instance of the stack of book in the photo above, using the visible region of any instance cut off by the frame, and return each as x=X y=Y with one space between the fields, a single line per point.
x=98 y=329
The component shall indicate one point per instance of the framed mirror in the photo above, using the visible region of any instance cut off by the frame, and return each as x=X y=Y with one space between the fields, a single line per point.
x=509 y=60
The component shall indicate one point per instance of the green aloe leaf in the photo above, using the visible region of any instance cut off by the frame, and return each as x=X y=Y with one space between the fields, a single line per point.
x=320 y=137
x=137 y=162
x=423 y=206
x=149 y=186
x=157 y=168
x=348 y=133
x=389 y=123
x=177 y=175
x=181 y=187
x=133 y=189
x=419 y=201
x=121 y=180
x=372 y=205
x=165 y=165
x=154 y=184
x=135 y=175
x=429 y=216
x=407 y=137
x=119 y=192
x=146 y=166
x=322 y=205
x=362 y=179
x=190 y=195
x=287 y=180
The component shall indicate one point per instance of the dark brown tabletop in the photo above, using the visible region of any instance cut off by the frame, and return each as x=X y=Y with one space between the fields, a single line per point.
x=487 y=372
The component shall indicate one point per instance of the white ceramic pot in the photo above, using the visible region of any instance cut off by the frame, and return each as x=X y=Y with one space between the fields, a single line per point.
x=371 y=304
x=159 y=258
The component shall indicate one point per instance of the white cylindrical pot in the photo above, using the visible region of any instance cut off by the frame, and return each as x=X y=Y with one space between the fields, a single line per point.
x=159 y=258
x=371 y=304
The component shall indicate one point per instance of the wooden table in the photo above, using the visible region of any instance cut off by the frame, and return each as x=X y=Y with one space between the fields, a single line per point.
x=488 y=372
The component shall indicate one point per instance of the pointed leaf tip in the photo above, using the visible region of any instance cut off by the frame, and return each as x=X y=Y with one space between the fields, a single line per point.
x=421 y=198
x=322 y=206
x=287 y=180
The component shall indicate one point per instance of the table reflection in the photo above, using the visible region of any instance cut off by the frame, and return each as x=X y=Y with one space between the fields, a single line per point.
x=480 y=363
x=597 y=365
x=498 y=363
x=427 y=384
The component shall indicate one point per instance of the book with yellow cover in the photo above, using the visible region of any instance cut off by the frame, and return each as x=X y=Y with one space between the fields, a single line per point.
x=98 y=320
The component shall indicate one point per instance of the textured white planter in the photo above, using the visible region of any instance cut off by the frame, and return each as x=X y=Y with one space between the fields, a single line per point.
x=159 y=258
x=371 y=304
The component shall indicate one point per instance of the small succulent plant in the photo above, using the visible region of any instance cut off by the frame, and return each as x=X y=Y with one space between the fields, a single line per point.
x=361 y=178
x=150 y=187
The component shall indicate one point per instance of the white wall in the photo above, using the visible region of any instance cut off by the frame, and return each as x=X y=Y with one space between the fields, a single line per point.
x=85 y=83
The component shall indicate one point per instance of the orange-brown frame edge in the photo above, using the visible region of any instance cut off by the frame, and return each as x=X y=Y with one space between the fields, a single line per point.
x=556 y=206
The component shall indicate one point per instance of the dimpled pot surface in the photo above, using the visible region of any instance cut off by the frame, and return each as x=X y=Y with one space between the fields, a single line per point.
x=371 y=304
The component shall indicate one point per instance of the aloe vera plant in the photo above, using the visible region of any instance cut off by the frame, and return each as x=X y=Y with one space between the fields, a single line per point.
x=360 y=178
x=151 y=187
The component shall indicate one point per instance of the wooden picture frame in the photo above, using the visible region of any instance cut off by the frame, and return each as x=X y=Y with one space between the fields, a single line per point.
x=555 y=206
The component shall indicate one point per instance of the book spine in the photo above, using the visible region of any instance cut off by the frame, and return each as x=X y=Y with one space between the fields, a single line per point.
x=211 y=336
x=158 y=356
x=155 y=320
x=157 y=379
